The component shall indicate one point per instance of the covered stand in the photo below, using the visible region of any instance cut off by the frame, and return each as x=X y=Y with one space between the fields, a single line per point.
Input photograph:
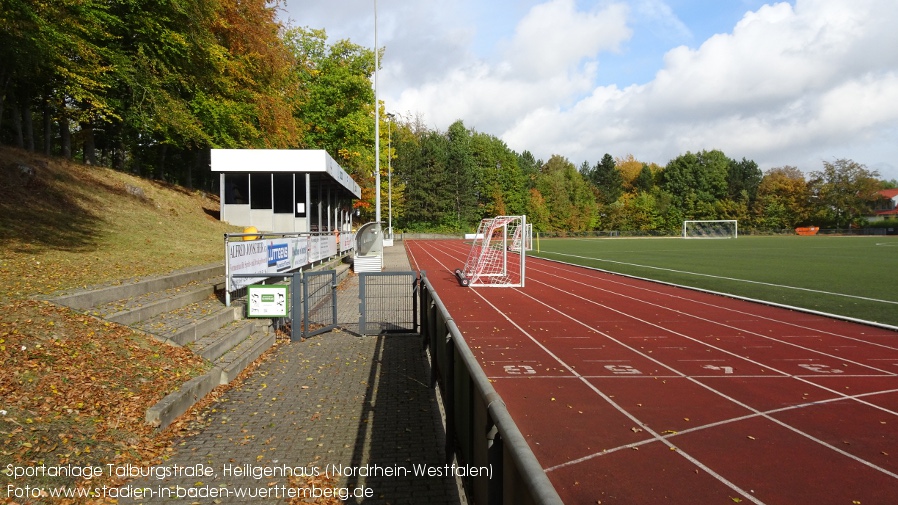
x=284 y=190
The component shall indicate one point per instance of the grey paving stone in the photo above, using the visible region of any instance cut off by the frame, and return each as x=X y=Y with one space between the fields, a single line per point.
x=334 y=400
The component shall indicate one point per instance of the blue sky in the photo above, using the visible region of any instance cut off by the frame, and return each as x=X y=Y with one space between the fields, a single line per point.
x=783 y=83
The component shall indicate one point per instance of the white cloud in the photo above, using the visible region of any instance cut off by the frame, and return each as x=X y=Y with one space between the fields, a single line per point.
x=786 y=86
x=549 y=61
x=789 y=84
x=554 y=37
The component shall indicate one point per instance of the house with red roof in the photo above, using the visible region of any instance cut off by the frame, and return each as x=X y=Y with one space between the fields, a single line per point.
x=886 y=207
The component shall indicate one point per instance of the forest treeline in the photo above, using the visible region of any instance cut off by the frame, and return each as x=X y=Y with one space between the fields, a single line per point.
x=149 y=87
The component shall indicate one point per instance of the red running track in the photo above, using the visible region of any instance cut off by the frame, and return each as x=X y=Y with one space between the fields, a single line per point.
x=640 y=393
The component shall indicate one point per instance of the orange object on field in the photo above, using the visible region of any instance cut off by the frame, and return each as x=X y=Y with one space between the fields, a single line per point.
x=807 y=231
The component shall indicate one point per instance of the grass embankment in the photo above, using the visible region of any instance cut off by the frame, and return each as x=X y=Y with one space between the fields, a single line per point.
x=74 y=389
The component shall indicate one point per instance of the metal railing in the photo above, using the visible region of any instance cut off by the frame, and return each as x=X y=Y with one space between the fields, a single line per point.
x=388 y=302
x=479 y=430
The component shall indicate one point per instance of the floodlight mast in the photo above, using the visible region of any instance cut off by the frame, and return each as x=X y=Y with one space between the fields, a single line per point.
x=376 y=125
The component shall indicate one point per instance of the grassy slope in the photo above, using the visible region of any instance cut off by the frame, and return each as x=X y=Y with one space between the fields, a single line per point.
x=857 y=266
x=74 y=389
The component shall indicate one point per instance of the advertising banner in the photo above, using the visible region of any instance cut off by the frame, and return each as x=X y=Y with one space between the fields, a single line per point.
x=271 y=257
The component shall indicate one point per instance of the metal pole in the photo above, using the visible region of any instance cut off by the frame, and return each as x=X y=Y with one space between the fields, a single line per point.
x=295 y=306
x=390 y=176
x=227 y=261
x=376 y=123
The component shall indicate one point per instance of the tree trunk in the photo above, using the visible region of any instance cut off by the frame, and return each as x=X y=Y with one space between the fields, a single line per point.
x=17 y=124
x=90 y=147
x=6 y=80
x=48 y=127
x=65 y=138
x=118 y=152
x=163 y=151
x=28 y=124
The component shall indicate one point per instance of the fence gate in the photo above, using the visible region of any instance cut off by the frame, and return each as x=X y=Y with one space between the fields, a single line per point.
x=319 y=305
x=388 y=302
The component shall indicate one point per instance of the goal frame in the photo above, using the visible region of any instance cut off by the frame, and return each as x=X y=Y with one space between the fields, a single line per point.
x=687 y=222
x=498 y=254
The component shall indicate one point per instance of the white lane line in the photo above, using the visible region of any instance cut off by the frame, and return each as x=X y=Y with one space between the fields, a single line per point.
x=874 y=331
x=720 y=393
x=680 y=374
x=783 y=286
x=657 y=436
x=715 y=425
x=711 y=321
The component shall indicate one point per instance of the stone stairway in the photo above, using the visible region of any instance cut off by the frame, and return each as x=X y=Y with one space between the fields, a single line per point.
x=184 y=308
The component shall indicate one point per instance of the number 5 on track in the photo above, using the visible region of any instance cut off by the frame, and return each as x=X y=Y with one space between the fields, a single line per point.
x=622 y=370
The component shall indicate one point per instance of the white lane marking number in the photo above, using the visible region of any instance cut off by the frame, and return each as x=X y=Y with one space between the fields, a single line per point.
x=519 y=370
x=816 y=367
x=622 y=370
x=726 y=369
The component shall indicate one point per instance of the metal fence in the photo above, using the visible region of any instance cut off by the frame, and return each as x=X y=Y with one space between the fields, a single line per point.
x=388 y=302
x=319 y=303
x=480 y=431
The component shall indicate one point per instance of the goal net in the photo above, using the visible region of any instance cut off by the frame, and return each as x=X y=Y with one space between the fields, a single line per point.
x=497 y=256
x=711 y=229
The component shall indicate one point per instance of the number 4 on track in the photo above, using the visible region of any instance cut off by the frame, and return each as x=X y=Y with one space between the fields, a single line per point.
x=726 y=369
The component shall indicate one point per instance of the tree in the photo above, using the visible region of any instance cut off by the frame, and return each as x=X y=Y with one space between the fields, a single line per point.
x=503 y=188
x=783 y=199
x=568 y=198
x=645 y=181
x=845 y=191
x=743 y=179
x=629 y=168
x=607 y=180
x=696 y=182
x=336 y=98
x=422 y=166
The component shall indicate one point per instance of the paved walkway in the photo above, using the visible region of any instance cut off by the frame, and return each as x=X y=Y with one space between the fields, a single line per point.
x=334 y=400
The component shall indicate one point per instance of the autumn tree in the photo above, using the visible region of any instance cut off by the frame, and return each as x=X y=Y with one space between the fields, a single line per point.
x=844 y=192
x=783 y=199
x=569 y=201
x=336 y=98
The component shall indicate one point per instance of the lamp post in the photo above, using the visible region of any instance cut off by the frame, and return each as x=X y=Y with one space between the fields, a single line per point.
x=376 y=125
x=390 y=175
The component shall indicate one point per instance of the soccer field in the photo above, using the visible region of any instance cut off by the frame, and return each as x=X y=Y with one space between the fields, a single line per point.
x=850 y=276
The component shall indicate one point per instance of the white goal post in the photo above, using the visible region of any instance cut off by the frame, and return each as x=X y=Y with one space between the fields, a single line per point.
x=720 y=228
x=498 y=253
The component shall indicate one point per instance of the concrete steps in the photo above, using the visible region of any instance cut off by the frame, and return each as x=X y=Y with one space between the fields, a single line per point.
x=184 y=309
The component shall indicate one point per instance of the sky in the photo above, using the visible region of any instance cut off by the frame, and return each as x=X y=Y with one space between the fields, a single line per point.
x=791 y=83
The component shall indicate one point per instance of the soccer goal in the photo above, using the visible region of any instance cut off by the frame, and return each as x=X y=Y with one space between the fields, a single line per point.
x=498 y=254
x=728 y=228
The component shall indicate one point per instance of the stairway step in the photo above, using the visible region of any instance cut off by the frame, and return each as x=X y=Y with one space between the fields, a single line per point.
x=192 y=322
x=134 y=310
x=240 y=356
x=220 y=341
x=97 y=296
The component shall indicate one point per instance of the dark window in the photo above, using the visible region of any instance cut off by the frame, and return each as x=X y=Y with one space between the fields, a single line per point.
x=283 y=193
x=261 y=188
x=236 y=189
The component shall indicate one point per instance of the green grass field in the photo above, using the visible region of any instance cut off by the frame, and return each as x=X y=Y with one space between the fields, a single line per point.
x=850 y=276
